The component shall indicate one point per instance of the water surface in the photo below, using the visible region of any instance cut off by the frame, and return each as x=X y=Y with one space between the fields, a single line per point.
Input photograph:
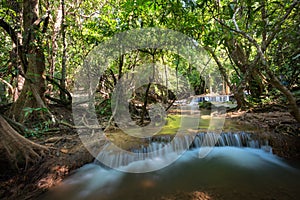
x=225 y=173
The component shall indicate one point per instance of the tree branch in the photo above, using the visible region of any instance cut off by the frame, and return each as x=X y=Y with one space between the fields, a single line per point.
x=13 y=35
x=37 y=22
x=265 y=65
x=220 y=66
x=10 y=31
x=60 y=88
x=8 y=84
x=234 y=21
x=244 y=34
x=279 y=23
x=270 y=38
x=57 y=100
x=35 y=26
x=46 y=22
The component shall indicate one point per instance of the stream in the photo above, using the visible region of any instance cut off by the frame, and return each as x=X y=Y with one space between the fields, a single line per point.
x=233 y=169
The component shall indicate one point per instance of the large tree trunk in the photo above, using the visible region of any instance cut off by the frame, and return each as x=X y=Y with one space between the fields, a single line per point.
x=32 y=95
x=293 y=107
x=21 y=152
x=239 y=57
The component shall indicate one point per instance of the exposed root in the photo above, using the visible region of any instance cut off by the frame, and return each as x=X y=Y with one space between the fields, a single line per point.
x=20 y=150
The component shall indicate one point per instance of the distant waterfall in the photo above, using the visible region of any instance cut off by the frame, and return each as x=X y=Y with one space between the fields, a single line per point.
x=210 y=98
x=164 y=146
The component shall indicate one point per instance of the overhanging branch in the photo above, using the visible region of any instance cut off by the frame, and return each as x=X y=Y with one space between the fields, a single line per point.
x=60 y=88
x=279 y=23
x=13 y=35
x=10 y=31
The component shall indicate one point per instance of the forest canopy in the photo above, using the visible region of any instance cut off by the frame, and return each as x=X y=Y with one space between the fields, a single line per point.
x=253 y=45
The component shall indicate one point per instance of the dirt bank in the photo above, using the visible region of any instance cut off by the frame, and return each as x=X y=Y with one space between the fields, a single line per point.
x=279 y=127
x=66 y=154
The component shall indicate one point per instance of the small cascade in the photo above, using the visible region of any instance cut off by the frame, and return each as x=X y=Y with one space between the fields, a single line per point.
x=167 y=148
x=211 y=98
x=159 y=147
x=241 y=139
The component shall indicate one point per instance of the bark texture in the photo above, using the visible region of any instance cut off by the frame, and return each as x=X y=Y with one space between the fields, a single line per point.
x=20 y=151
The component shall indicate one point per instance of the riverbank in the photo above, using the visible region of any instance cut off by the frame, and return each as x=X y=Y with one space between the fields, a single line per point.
x=279 y=127
x=67 y=153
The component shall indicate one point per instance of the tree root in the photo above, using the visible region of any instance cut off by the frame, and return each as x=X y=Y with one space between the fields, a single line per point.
x=20 y=150
x=86 y=126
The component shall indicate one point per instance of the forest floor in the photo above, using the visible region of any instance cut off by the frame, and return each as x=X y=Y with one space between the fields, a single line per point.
x=67 y=153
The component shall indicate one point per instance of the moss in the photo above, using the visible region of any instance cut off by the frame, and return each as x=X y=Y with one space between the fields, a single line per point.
x=172 y=125
x=174 y=122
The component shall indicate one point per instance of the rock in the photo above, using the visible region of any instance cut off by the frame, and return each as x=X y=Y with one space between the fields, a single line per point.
x=64 y=150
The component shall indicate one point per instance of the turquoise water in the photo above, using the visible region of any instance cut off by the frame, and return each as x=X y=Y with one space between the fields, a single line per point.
x=225 y=173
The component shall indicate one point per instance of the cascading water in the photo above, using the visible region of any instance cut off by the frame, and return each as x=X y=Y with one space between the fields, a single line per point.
x=162 y=146
x=227 y=172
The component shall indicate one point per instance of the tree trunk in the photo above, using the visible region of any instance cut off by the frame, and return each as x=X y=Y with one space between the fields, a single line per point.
x=121 y=63
x=32 y=95
x=145 y=103
x=240 y=98
x=20 y=151
x=64 y=54
x=237 y=91
x=57 y=28
x=240 y=58
x=293 y=107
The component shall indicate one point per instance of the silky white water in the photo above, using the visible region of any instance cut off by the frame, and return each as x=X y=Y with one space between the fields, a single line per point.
x=225 y=173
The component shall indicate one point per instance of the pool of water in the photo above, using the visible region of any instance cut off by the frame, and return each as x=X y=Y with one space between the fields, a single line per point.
x=225 y=173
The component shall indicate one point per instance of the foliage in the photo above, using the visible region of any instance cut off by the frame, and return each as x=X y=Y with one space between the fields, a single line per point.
x=38 y=129
x=224 y=26
x=172 y=125
x=103 y=108
x=28 y=111
x=205 y=105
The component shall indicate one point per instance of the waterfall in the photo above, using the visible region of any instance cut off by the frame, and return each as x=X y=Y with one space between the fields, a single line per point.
x=230 y=139
x=210 y=98
x=241 y=139
x=159 y=148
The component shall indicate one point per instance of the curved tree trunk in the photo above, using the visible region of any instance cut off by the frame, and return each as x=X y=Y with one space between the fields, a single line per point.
x=21 y=152
x=237 y=91
x=240 y=99
x=240 y=58
x=293 y=107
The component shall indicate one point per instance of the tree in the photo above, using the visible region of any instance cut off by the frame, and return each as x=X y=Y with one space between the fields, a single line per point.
x=243 y=27
x=28 y=44
x=27 y=41
x=20 y=150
